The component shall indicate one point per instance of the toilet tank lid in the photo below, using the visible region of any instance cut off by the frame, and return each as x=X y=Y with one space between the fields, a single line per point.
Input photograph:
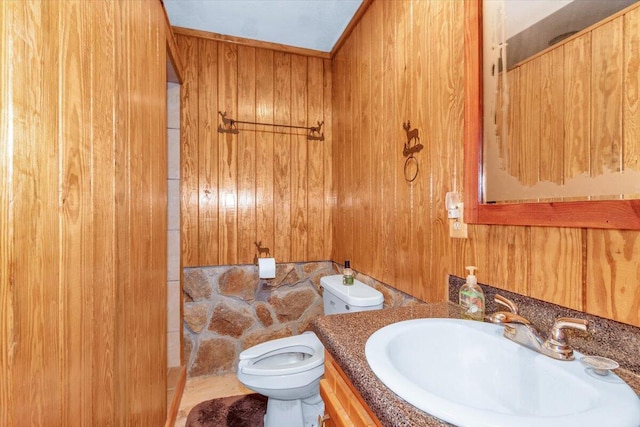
x=358 y=294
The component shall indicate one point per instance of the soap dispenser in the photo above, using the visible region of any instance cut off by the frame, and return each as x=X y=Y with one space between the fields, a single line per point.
x=472 y=297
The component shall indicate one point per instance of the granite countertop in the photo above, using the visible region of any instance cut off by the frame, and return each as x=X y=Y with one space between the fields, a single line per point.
x=345 y=335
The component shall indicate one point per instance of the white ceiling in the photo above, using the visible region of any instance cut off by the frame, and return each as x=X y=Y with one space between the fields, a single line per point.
x=311 y=24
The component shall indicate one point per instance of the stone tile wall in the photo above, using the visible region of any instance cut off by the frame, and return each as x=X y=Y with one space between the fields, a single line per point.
x=228 y=309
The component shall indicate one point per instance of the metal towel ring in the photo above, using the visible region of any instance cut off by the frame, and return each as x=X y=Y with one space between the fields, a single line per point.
x=407 y=172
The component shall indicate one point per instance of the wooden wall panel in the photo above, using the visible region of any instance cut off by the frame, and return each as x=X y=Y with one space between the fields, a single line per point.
x=606 y=101
x=388 y=171
x=190 y=190
x=6 y=241
x=403 y=190
x=104 y=215
x=329 y=189
x=247 y=150
x=446 y=160
x=76 y=210
x=514 y=122
x=315 y=164
x=299 y=87
x=555 y=276
x=501 y=255
x=589 y=270
x=577 y=116
x=361 y=127
x=423 y=105
x=227 y=158
x=203 y=158
x=376 y=128
x=265 y=208
x=613 y=274
x=631 y=94
x=84 y=237
x=282 y=161
x=124 y=230
x=552 y=108
x=264 y=184
x=529 y=144
x=35 y=332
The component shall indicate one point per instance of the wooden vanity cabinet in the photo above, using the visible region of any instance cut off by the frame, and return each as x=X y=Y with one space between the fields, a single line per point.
x=344 y=407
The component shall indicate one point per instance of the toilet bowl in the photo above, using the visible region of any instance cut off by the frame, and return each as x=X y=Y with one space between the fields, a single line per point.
x=288 y=372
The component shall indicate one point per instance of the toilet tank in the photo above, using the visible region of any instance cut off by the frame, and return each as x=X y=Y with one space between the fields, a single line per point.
x=339 y=298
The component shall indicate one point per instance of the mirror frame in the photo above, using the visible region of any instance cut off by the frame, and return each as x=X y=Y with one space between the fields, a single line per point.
x=610 y=214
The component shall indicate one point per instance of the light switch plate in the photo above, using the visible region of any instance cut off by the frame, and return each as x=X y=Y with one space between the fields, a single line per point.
x=457 y=227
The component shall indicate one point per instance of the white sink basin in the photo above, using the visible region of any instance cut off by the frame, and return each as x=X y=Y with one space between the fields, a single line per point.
x=468 y=374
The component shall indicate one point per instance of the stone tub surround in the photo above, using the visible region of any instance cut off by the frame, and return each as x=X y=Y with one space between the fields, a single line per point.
x=228 y=309
x=605 y=337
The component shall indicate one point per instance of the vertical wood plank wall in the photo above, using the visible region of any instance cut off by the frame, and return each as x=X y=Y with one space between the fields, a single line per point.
x=403 y=62
x=269 y=185
x=83 y=206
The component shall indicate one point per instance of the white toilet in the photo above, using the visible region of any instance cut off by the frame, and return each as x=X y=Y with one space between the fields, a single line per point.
x=288 y=370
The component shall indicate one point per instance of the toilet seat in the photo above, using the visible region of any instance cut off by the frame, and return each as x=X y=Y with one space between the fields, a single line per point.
x=307 y=343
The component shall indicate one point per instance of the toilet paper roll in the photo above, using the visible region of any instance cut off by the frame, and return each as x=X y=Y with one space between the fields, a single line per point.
x=267 y=268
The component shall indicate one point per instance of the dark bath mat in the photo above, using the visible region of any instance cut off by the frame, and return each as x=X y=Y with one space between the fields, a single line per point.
x=235 y=411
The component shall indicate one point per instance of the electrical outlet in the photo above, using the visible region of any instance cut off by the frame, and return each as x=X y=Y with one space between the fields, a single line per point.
x=457 y=227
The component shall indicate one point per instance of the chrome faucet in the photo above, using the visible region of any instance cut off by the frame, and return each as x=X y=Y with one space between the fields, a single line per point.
x=521 y=331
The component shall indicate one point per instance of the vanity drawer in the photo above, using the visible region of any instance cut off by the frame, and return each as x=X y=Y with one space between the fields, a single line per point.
x=343 y=404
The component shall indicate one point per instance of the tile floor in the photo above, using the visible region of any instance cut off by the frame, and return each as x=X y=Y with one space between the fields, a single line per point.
x=199 y=389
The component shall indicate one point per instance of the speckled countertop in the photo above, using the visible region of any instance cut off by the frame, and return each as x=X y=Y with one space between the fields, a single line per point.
x=345 y=336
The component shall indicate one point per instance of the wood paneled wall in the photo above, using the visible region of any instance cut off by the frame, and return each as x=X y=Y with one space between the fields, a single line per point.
x=264 y=184
x=401 y=63
x=83 y=206
x=404 y=62
x=566 y=112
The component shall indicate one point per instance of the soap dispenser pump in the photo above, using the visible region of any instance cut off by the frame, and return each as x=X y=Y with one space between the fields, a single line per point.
x=472 y=297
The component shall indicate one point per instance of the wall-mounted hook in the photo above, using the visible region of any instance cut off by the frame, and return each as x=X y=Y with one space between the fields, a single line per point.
x=412 y=145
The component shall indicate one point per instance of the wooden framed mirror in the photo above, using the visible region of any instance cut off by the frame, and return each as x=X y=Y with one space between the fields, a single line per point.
x=612 y=214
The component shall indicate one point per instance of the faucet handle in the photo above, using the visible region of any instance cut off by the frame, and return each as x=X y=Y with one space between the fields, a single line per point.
x=557 y=341
x=570 y=322
x=507 y=303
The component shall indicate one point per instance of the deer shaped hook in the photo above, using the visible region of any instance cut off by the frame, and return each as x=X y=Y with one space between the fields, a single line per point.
x=412 y=145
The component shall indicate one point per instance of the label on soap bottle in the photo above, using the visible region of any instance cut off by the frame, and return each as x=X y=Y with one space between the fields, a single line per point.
x=471 y=304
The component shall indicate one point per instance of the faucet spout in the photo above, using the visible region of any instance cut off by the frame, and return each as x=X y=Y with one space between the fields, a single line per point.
x=519 y=329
